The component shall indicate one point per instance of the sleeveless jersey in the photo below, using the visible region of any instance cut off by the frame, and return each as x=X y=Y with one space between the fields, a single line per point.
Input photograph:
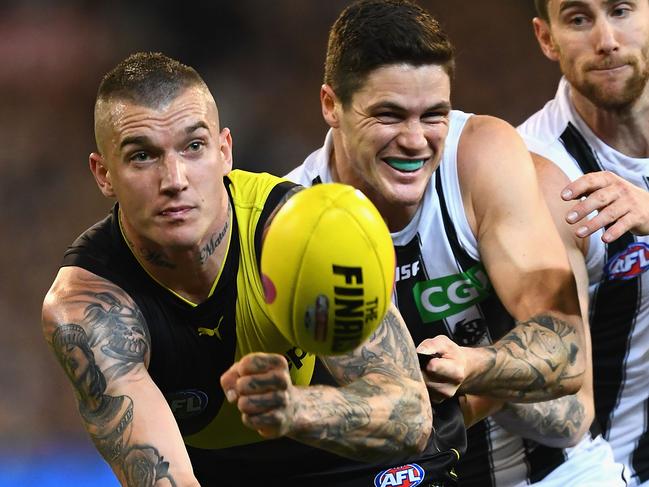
x=192 y=345
x=619 y=285
x=442 y=287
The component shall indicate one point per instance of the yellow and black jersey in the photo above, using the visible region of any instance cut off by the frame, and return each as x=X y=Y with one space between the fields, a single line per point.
x=193 y=344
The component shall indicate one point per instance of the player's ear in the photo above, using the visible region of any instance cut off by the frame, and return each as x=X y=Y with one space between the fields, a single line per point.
x=225 y=146
x=331 y=106
x=102 y=174
x=546 y=41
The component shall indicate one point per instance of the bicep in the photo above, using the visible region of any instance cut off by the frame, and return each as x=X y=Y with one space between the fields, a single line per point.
x=518 y=241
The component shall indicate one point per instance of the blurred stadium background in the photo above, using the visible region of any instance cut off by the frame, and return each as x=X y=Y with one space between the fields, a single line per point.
x=263 y=61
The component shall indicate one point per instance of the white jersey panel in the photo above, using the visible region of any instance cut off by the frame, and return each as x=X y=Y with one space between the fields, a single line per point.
x=627 y=419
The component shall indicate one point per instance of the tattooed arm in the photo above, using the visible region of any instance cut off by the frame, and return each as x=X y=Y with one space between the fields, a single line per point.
x=563 y=421
x=381 y=410
x=101 y=340
x=542 y=357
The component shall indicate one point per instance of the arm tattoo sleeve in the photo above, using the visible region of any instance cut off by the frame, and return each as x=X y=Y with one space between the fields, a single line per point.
x=533 y=362
x=552 y=423
x=382 y=405
x=117 y=331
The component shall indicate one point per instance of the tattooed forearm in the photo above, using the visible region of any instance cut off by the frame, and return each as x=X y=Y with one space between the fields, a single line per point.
x=386 y=347
x=554 y=423
x=108 y=419
x=383 y=410
x=536 y=361
x=143 y=465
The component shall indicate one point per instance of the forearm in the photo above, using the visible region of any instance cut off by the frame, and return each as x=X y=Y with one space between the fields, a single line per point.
x=559 y=423
x=538 y=360
x=375 y=417
x=135 y=458
x=382 y=409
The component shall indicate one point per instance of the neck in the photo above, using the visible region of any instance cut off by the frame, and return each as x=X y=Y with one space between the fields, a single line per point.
x=625 y=129
x=189 y=272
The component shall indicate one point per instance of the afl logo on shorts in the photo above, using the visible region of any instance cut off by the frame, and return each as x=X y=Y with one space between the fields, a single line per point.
x=629 y=263
x=405 y=476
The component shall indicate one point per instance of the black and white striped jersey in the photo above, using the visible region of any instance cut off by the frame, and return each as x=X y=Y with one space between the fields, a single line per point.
x=442 y=287
x=619 y=284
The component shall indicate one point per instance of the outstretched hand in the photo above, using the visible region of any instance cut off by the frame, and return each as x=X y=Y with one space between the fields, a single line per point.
x=260 y=385
x=445 y=371
x=618 y=202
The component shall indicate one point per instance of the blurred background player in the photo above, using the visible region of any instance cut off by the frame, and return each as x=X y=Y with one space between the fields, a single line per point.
x=596 y=130
x=162 y=297
x=478 y=257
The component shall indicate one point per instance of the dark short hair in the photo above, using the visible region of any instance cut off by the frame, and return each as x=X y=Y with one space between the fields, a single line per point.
x=542 y=9
x=369 y=34
x=149 y=79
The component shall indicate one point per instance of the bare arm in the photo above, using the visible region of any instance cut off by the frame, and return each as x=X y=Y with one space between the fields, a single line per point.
x=542 y=357
x=561 y=422
x=381 y=410
x=101 y=340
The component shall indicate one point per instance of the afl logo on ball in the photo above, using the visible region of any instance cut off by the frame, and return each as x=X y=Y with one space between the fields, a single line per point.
x=630 y=263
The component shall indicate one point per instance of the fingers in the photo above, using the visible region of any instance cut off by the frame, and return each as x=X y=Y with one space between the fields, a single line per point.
x=587 y=184
x=618 y=203
x=444 y=372
x=610 y=211
x=254 y=374
x=260 y=385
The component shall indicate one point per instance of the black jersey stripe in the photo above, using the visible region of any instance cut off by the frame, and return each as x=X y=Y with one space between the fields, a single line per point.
x=613 y=307
x=274 y=199
x=462 y=257
x=475 y=468
x=542 y=459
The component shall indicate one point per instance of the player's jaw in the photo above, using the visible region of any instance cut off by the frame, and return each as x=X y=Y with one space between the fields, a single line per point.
x=614 y=82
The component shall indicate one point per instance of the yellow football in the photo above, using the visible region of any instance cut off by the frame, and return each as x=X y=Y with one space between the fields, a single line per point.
x=327 y=265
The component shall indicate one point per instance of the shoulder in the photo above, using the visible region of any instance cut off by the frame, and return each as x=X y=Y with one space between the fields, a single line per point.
x=490 y=148
x=483 y=131
x=76 y=291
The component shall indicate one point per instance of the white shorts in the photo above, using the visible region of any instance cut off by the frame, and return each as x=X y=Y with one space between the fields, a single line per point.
x=589 y=464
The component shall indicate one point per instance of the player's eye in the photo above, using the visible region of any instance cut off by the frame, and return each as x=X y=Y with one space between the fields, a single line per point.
x=140 y=156
x=387 y=117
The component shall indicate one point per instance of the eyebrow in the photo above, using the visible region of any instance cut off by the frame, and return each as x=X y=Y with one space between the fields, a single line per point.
x=198 y=125
x=135 y=140
x=144 y=140
x=394 y=106
x=578 y=3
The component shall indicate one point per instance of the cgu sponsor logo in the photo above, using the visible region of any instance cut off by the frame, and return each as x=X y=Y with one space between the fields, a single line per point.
x=630 y=263
x=438 y=298
x=405 y=476
x=187 y=404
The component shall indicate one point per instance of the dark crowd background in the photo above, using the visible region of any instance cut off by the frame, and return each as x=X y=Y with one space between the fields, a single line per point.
x=263 y=60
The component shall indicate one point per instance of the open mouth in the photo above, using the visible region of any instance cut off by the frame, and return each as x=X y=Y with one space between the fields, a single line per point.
x=405 y=165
